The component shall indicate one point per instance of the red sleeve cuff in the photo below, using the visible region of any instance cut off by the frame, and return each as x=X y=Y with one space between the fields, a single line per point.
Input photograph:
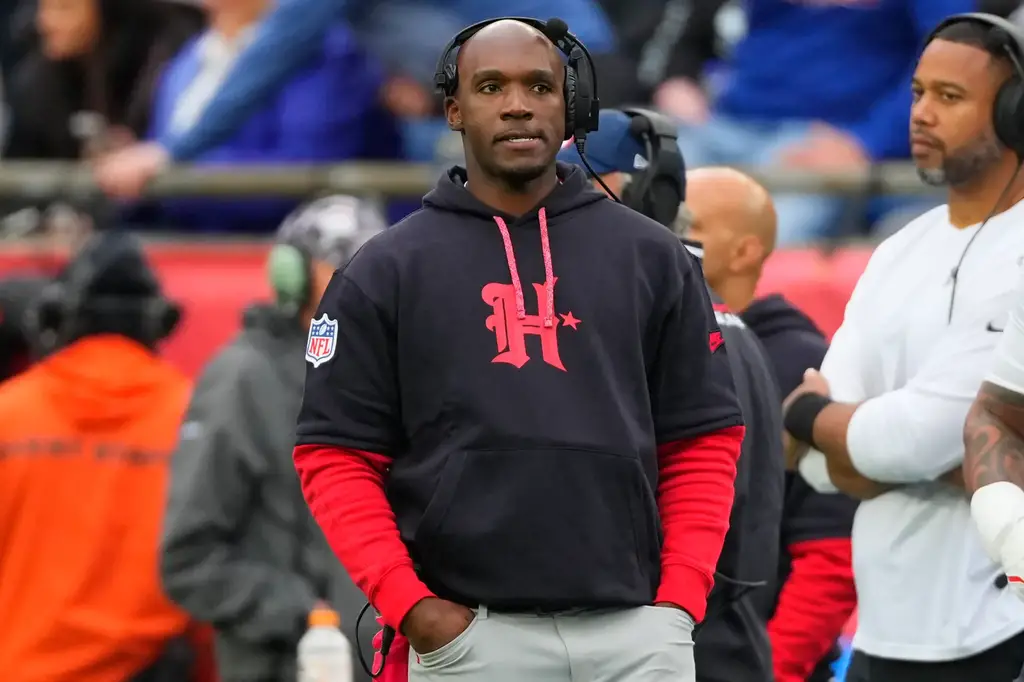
x=686 y=587
x=397 y=592
x=816 y=602
x=695 y=494
x=345 y=492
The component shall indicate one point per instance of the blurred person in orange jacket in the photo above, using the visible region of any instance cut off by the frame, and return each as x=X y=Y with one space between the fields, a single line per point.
x=85 y=442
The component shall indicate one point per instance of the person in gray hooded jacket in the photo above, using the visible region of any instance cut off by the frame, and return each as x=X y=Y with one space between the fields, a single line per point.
x=240 y=548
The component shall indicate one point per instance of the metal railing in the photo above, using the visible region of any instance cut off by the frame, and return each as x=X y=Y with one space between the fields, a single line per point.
x=39 y=181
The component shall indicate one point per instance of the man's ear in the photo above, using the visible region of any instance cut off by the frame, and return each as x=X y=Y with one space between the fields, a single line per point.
x=452 y=113
x=748 y=253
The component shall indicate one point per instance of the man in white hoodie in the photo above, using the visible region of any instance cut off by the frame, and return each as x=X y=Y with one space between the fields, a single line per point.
x=885 y=415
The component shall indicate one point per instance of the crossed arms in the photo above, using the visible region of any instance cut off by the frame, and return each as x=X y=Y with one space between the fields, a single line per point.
x=874 y=438
x=994 y=438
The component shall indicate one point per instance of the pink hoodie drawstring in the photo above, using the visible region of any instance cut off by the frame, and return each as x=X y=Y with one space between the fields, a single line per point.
x=549 y=271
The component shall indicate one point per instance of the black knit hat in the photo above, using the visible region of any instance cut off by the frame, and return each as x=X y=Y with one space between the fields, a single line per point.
x=111 y=264
x=107 y=288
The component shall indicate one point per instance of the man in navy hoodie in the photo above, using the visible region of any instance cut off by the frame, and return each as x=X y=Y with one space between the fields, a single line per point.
x=528 y=484
x=813 y=596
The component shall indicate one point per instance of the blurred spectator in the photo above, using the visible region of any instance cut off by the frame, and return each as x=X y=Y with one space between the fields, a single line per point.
x=1000 y=8
x=11 y=48
x=241 y=549
x=85 y=443
x=86 y=84
x=407 y=36
x=327 y=110
x=1018 y=16
x=812 y=85
x=646 y=33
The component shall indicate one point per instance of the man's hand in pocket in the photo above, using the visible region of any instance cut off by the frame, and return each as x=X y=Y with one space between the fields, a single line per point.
x=434 y=622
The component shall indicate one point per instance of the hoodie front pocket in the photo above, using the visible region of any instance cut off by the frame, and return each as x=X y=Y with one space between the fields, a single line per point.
x=441 y=499
x=540 y=527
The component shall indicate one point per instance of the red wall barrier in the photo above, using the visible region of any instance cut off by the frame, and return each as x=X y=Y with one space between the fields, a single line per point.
x=214 y=283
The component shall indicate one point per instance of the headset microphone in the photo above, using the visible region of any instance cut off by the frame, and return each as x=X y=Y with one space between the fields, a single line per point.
x=556 y=30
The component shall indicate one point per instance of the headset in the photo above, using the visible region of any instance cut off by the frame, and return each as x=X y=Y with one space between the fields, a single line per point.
x=658 y=191
x=582 y=106
x=1007 y=113
x=1008 y=108
x=289 y=269
x=330 y=228
x=54 y=316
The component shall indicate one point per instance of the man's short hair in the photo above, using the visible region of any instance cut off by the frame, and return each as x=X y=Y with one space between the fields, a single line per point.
x=991 y=39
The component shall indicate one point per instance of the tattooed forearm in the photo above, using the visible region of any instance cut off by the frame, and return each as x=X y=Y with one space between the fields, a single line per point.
x=994 y=438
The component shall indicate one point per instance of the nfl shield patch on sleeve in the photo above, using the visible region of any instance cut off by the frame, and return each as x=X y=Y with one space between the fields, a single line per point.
x=323 y=339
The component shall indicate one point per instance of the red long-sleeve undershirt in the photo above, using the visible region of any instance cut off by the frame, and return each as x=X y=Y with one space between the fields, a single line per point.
x=696 y=486
x=345 y=492
x=816 y=602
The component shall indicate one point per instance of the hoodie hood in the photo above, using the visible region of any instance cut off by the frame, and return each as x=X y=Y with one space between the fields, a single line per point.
x=773 y=315
x=573 y=192
x=100 y=382
x=269 y=318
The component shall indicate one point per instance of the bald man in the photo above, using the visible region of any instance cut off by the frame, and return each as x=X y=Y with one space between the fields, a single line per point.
x=528 y=482
x=733 y=218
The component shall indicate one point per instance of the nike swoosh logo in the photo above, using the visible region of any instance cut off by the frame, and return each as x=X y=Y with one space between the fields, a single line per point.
x=992 y=328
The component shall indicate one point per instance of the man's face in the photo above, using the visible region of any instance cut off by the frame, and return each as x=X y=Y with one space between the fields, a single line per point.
x=711 y=228
x=951 y=134
x=509 y=103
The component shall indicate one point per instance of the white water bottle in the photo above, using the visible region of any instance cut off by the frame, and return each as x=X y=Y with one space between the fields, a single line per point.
x=325 y=654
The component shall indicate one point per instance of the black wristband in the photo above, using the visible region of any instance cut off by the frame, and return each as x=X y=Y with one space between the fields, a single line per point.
x=800 y=416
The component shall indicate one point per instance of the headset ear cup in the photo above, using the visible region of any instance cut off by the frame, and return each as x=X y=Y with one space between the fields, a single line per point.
x=629 y=197
x=288 y=271
x=451 y=80
x=48 y=312
x=168 y=319
x=161 y=319
x=1008 y=116
x=45 y=318
x=664 y=198
x=569 y=93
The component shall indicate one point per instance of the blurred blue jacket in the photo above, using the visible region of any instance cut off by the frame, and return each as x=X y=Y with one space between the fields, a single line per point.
x=285 y=36
x=847 y=63
x=326 y=110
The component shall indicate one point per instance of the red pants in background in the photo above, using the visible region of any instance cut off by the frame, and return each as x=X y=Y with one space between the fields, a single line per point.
x=396 y=668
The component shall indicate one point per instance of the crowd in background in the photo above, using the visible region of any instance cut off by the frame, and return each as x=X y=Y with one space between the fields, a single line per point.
x=818 y=85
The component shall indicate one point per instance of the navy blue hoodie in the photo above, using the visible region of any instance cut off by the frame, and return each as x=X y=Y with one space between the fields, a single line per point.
x=794 y=344
x=733 y=644
x=517 y=377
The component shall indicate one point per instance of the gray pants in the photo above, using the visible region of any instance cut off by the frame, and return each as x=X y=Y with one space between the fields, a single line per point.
x=645 y=644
